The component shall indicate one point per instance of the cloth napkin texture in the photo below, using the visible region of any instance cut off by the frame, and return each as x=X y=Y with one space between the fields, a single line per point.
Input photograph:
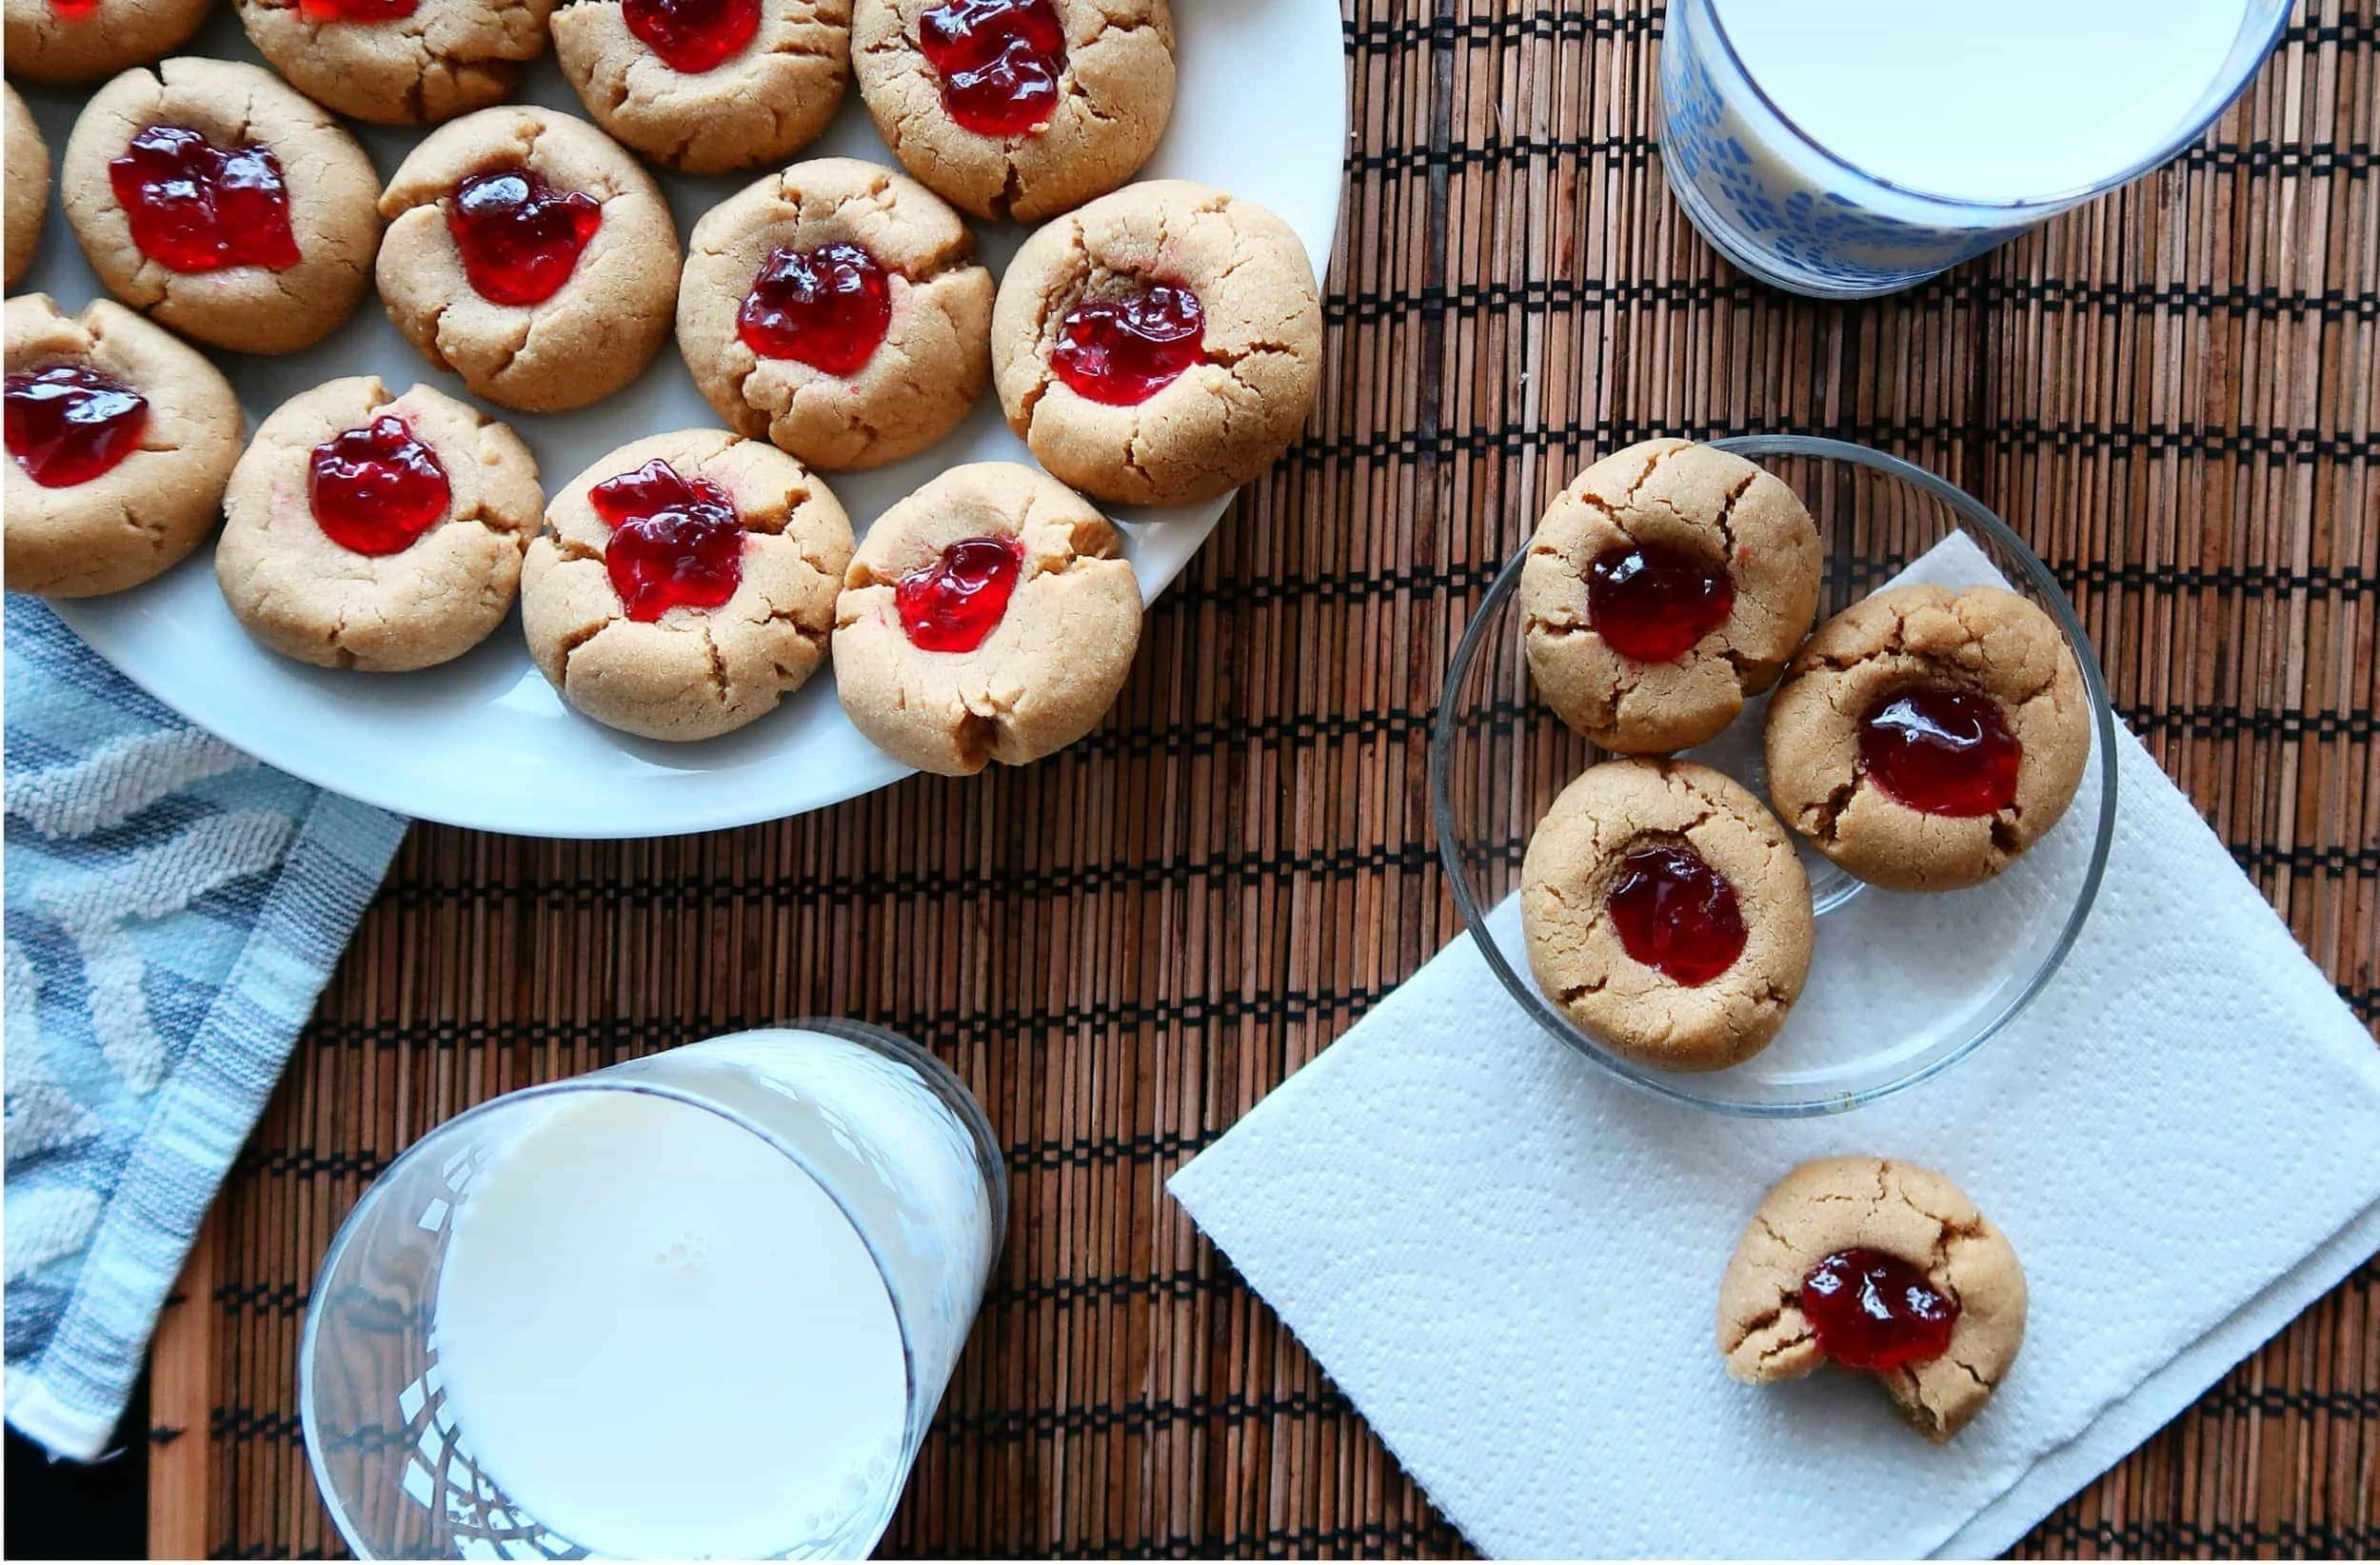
x=173 y=908
x=1508 y=1260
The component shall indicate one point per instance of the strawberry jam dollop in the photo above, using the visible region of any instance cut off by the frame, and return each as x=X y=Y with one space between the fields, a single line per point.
x=827 y=308
x=519 y=237
x=1123 y=351
x=196 y=207
x=1653 y=603
x=675 y=542
x=377 y=488
x=72 y=12
x=1944 y=752
x=999 y=61
x=692 y=36
x=357 y=11
x=952 y=602
x=1675 y=914
x=69 y=424
x=1871 y=1311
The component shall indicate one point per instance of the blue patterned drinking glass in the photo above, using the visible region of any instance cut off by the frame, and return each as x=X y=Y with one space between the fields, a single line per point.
x=1793 y=214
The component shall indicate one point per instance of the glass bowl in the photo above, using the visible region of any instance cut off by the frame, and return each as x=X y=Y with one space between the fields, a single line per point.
x=1901 y=986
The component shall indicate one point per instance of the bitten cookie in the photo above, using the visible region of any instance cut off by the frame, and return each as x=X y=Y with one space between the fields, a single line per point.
x=399 y=62
x=1160 y=346
x=837 y=308
x=119 y=436
x=1669 y=581
x=1666 y=914
x=986 y=616
x=1016 y=109
x=1925 y=738
x=528 y=253
x=1882 y=1267
x=27 y=197
x=367 y=530
x=684 y=584
x=214 y=200
x=63 y=41
x=708 y=86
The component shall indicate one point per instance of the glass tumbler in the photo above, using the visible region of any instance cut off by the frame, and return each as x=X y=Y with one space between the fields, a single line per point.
x=1783 y=207
x=701 y=1303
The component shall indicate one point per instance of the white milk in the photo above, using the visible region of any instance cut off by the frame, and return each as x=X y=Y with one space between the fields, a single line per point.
x=660 y=1336
x=1985 y=100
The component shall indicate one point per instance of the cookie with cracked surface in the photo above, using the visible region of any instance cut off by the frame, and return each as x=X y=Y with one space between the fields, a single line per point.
x=837 y=308
x=66 y=41
x=364 y=529
x=213 y=199
x=120 y=436
x=1016 y=109
x=399 y=62
x=1666 y=914
x=1879 y=1266
x=531 y=255
x=1924 y=739
x=684 y=584
x=987 y=617
x=27 y=200
x=708 y=86
x=1665 y=585
x=1160 y=346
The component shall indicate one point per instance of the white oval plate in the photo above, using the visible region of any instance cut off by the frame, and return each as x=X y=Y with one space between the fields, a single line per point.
x=484 y=741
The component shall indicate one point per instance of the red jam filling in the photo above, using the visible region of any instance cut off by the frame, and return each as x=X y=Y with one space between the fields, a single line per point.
x=356 y=11
x=73 y=10
x=67 y=425
x=377 y=489
x=1675 y=914
x=1945 y=752
x=674 y=543
x=827 y=308
x=1871 y=1311
x=999 y=61
x=519 y=236
x=692 y=36
x=196 y=207
x=951 y=605
x=1653 y=603
x=1123 y=351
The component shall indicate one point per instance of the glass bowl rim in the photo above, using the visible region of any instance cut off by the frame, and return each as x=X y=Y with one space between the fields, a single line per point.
x=1672 y=1085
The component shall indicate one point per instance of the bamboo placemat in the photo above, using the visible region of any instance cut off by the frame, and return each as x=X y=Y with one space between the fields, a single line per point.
x=2174 y=394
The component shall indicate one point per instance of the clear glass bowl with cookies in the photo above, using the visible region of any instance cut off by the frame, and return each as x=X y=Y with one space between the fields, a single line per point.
x=1774 y=775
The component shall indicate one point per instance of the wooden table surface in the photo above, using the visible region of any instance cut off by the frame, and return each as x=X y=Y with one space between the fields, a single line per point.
x=2173 y=394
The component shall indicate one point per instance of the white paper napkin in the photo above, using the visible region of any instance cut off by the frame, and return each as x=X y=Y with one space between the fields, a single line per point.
x=1509 y=1261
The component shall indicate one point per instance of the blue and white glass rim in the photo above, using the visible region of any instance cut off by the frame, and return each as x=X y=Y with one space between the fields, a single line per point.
x=1794 y=215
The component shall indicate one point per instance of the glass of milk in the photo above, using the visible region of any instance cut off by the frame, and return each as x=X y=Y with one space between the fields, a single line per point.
x=1848 y=148
x=697 y=1305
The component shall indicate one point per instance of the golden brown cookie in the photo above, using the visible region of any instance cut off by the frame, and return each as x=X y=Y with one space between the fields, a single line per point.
x=708 y=86
x=242 y=267
x=399 y=64
x=1016 y=109
x=1665 y=585
x=120 y=438
x=27 y=200
x=684 y=584
x=531 y=255
x=987 y=617
x=83 y=40
x=837 y=308
x=1666 y=914
x=364 y=529
x=1925 y=738
x=1160 y=346
x=1879 y=1266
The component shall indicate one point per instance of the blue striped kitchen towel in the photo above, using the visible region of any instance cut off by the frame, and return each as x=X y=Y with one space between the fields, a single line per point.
x=173 y=908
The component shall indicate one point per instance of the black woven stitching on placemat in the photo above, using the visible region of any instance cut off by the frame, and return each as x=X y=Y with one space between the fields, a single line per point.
x=1639 y=151
x=1542 y=25
x=2028 y=436
x=2155 y=1539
